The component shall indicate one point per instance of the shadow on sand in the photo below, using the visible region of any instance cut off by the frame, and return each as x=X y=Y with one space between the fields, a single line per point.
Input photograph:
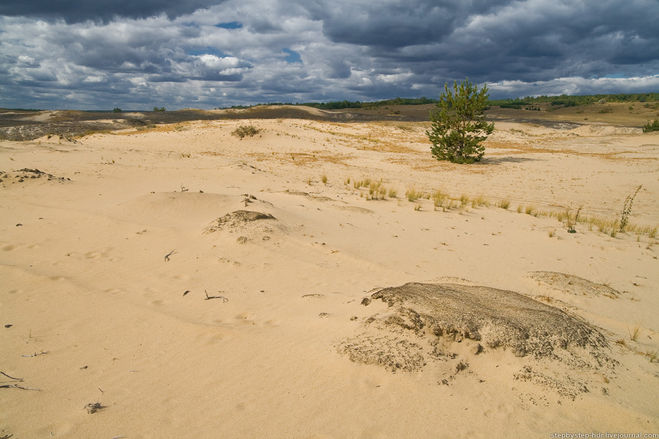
x=505 y=159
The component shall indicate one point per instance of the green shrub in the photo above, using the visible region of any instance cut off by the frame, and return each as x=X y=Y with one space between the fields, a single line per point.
x=651 y=126
x=245 y=131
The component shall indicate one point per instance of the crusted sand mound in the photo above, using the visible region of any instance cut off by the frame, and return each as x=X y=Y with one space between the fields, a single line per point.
x=573 y=284
x=25 y=174
x=237 y=219
x=453 y=323
x=249 y=224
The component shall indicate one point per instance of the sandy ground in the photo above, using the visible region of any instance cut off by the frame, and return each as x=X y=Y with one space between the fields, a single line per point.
x=125 y=280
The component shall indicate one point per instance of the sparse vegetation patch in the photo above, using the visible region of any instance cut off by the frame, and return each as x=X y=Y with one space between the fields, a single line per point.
x=651 y=126
x=246 y=131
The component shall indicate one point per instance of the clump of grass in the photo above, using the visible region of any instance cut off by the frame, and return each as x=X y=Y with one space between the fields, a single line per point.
x=519 y=209
x=440 y=199
x=479 y=201
x=504 y=204
x=530 y=210
x=413 y=195
x=464 y=200
x=347 y=181
x=245 y=131
x=552 y=233
x=392 y=193
x=357 y=184
x=417 y=207
x=633 y=334
x=627 y=209
x=376 y=191
x=324 y=179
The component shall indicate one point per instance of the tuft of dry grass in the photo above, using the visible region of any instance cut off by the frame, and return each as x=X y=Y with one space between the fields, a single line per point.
x=440 y=199
x=376 y=191
x=652 y=356
x=504 y=204
x=357 y=184
x=634 y=333
x=479 y=201
x=413 y=195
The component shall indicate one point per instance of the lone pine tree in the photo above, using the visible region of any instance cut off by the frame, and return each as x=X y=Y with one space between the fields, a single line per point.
x=458 y=123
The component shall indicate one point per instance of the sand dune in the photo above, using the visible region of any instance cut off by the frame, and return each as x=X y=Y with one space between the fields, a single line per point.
x=191 y=284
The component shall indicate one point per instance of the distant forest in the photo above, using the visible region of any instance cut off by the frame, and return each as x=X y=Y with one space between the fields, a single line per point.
x=518 y=103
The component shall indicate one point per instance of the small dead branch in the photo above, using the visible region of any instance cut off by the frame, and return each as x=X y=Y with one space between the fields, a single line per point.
x=36 y=354
x=11 y=377
x=186 y=292
x=16 y=386
x=169 y=254
x=224 y=299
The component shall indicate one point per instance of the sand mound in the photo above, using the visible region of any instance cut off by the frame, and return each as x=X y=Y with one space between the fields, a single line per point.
x=573 y=284
x=247 y=222
x=22 y=175
x=453 y=323
x=237 y=219
x=605 y=130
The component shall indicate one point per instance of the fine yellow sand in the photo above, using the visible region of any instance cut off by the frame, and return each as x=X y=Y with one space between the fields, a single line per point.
x=121 y=287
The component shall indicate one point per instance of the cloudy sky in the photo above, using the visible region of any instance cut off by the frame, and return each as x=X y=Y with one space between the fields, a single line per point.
x=136 y=54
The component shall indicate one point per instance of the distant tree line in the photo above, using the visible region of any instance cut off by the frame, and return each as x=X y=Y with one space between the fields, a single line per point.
x=340 y=105
x=572 y=101
x=529 y=103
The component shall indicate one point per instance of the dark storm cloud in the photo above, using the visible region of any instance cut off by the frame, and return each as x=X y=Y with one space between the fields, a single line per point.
x=222 y=52
x=80 y=10
x=533 y=40
x=392 y=24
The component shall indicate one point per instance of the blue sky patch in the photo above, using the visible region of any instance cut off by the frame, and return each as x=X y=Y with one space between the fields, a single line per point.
x=292 y=56
x=230 y=25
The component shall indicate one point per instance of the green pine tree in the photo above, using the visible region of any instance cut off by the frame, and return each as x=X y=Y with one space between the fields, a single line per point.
x=458 y=124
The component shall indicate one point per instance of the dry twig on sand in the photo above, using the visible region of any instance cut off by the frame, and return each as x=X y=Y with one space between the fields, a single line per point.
x=224 y=299
x=169 y=254
x=14 y=385
x=36 y=354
